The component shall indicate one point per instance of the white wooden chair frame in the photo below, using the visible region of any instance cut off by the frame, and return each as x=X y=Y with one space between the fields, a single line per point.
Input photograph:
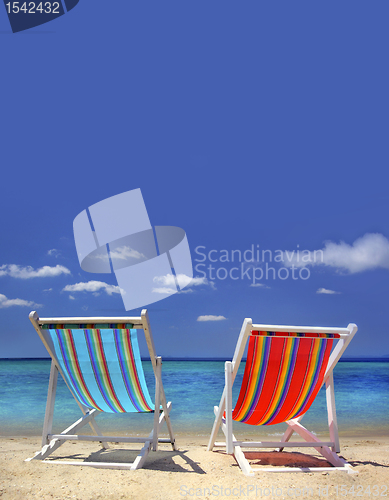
x=328 y=449
x=51 y=442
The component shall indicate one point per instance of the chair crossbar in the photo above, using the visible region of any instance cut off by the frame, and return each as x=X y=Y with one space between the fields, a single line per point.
x=343 y=332
x=109 y=439
x=346 y=468
x=274 y=444
x=87 y=326
x=76 y=320
x=96 y=465
x=301 y=335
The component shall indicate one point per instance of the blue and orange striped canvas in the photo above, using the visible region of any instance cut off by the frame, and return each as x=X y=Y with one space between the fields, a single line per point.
x=103 y=366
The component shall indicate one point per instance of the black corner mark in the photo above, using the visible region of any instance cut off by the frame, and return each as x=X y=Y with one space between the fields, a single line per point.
x=24 y=15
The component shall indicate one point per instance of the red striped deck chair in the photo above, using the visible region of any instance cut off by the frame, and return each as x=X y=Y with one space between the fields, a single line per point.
x=99 y=360
x=286 y=367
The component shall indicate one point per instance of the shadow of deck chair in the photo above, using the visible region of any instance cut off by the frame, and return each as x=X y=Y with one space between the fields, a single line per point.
x=286 y=367
x=100 y=362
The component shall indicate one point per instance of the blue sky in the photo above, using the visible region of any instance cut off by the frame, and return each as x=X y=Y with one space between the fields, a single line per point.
x=245 y=124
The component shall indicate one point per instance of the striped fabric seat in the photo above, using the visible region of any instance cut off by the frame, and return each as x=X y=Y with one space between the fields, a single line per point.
x=283 y=374
x=102 y=365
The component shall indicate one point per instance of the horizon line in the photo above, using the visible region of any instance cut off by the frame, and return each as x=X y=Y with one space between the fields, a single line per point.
x=384 y=358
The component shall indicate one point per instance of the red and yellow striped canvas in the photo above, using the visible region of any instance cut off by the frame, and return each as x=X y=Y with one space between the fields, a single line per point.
x=282 y=376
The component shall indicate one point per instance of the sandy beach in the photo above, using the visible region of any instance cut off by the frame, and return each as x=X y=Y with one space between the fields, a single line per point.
x=191 y=472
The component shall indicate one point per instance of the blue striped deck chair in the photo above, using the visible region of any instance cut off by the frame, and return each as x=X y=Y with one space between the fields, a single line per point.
x=99 y=360
x=285 y=369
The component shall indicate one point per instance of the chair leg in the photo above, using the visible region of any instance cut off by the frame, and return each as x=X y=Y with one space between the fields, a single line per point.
x=96 y=429
x=166 y=417
x=327 y=453
x=218 y=410
x=332 y=421
x=288 y=433
x=49 y=413
x=140 y=459
x=158 y=377
x=54 y=444
x=169 y=426
x=237 y=452
x=165 y=407
x=71 y=431
x=228 y=419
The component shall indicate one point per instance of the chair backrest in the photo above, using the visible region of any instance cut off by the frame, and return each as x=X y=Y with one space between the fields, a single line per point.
x=284 y=372
x=99 y=359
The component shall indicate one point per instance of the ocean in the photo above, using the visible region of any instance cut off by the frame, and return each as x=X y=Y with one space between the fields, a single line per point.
x=194 y=387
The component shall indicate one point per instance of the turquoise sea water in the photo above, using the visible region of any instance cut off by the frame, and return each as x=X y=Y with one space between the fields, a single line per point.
x=194 y=387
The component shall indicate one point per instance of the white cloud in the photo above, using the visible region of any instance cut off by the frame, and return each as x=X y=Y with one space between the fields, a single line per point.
x=121 y=253
x=48 y=290
x=169 y=280
x=71 y=297
x=326 y=291
x=164 y=289
x=53 y=252
x=92 y=286
x=5 y=302
x=211 y=317
x=262 y=285
x=194 y=281
x=16 y=271
x=125 y=252
x=168 y=283
x=371 y=251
